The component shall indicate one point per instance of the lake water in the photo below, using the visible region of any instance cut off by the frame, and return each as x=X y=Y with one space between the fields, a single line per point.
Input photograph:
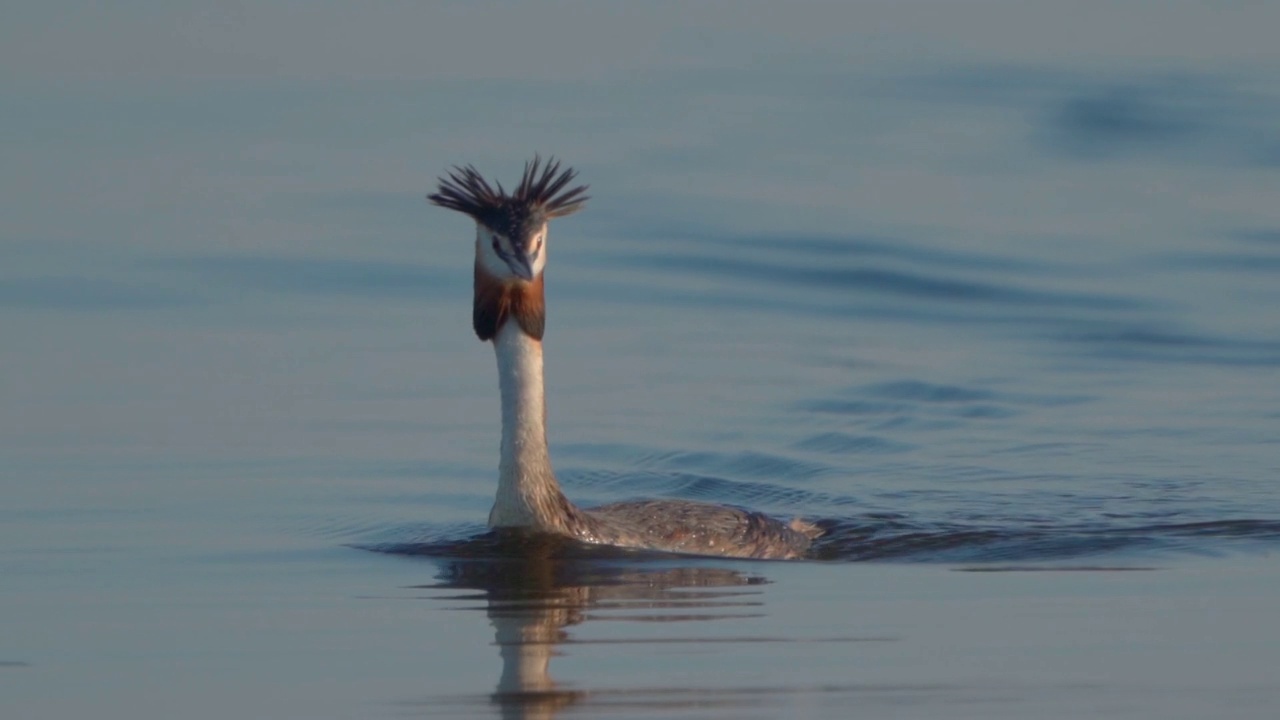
x=989 y=291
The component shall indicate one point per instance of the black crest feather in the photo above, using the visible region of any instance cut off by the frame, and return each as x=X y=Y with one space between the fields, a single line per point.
x=541 y=194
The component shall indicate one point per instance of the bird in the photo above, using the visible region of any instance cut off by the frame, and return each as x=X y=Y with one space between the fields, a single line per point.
x=509 y=311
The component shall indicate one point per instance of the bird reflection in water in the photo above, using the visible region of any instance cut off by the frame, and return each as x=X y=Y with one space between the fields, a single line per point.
x=536 y=587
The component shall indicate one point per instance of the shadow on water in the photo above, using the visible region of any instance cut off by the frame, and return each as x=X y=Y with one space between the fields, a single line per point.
x=535 y=589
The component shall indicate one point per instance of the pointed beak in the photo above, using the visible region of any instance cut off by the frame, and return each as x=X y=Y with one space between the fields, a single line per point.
x=519 y=262
x=521 y=265
x=525 y=256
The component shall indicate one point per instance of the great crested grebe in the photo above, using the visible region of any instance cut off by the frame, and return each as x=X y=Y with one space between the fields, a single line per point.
x=509 y=309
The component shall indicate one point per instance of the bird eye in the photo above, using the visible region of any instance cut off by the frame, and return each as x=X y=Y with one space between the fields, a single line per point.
x=495 y=245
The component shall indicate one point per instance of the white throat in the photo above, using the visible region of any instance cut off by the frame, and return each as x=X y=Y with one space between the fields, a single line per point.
x=528 y=494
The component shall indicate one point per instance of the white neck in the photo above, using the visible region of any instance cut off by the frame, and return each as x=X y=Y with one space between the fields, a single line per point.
x=528 y=494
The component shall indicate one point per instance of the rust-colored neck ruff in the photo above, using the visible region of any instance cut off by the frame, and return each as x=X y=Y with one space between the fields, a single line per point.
x=497 y=300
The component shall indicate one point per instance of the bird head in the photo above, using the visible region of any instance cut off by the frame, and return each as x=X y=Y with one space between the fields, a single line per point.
x=511 y=228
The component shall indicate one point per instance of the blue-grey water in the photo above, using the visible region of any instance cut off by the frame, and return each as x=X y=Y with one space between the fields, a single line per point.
x=990 y=291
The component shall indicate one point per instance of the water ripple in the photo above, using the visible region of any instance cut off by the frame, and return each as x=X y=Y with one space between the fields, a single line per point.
x=310 y=276
x=86 y=294
x=746 y=464
x=876 y=280
x=896 y=539
x=837 y=443
x=1149 y=343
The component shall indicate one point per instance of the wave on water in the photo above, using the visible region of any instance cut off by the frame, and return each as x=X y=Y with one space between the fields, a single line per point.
x=910 y=542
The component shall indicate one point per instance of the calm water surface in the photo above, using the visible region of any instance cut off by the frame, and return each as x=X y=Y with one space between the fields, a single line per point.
x=993 y=301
